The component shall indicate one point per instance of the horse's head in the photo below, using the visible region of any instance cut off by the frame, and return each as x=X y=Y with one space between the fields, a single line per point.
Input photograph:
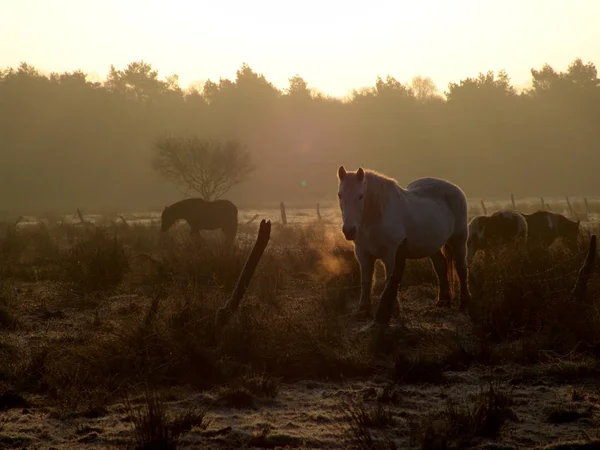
x=166 y=220
x=352 y=200
x=476 y=237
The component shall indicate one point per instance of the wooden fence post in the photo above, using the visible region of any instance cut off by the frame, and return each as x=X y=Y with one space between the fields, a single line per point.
x=224 y=313
x=587 y=206
x=573 y=213
x=252 y=220
x=81 y=218
x=585 y=271
x=283 y=215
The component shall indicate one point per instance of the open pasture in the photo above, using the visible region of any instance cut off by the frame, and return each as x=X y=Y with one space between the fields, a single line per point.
x=108 y=340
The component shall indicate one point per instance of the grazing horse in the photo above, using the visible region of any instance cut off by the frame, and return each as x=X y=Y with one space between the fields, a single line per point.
x=545 y=227
x=202 y=215
x=431 y=214
x=501 y=228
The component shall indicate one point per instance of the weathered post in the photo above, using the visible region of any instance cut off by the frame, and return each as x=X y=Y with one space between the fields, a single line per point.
x=584 y=273
x=252 y=220
x=484 y=208
x=283 y=215
x=587 y=206
x=572 y=211
x=224 y=314
x=81 y=218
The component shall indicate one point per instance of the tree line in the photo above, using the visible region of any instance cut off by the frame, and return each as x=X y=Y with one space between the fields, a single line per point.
x=66 y=141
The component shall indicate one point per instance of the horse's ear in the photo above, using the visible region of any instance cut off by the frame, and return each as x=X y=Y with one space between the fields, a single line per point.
x=360 y=174
x=341 y=172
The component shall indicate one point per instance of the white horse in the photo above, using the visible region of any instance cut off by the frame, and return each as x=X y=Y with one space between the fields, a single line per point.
x=431 y=214
x=503 y=227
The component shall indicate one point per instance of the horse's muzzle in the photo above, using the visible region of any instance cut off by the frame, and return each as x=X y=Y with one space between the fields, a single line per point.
x=349 y=232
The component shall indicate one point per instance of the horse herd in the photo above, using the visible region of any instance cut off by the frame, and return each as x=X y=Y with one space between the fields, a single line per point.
x=430 y=216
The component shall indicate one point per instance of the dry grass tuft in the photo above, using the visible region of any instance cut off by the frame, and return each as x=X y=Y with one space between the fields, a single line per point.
x=455 y=427
x=360 y=419
x=154 y=428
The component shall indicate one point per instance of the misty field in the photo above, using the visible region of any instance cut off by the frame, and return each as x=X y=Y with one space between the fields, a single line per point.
x=108 y=340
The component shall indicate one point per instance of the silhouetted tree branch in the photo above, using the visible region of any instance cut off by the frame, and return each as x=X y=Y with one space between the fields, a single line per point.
x=202 y=165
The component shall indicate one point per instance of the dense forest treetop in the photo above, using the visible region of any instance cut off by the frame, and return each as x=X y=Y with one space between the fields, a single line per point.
x=67 y=142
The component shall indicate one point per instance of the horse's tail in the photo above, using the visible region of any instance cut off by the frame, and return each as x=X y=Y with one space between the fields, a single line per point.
x=450 y=268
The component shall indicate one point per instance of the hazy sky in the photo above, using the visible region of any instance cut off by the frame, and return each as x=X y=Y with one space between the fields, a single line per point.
x=335 y=45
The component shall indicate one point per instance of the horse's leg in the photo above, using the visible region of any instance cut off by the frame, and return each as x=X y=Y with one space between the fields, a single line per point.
x=367 y=267
x=459 y=252
x=438 y=260
x=389 y=262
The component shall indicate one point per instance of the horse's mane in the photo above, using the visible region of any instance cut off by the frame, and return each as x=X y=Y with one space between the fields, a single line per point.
x=377 y=188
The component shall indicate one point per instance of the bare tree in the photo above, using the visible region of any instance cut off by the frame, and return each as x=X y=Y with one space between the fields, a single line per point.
x=424 y=88
x=206 y=166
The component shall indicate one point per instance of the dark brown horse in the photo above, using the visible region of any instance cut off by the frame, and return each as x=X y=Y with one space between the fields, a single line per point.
x=202 y=215
x=502 y=228
x=544 y=227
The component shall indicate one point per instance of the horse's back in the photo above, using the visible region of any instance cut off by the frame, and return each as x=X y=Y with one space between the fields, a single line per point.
x=198 y=204
x=209 y=214
x=431 y=185
x=538 y=215
x=444 y=192
x=505 y=224
x=438 y=189
x=224 y=209
x=540 y=221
